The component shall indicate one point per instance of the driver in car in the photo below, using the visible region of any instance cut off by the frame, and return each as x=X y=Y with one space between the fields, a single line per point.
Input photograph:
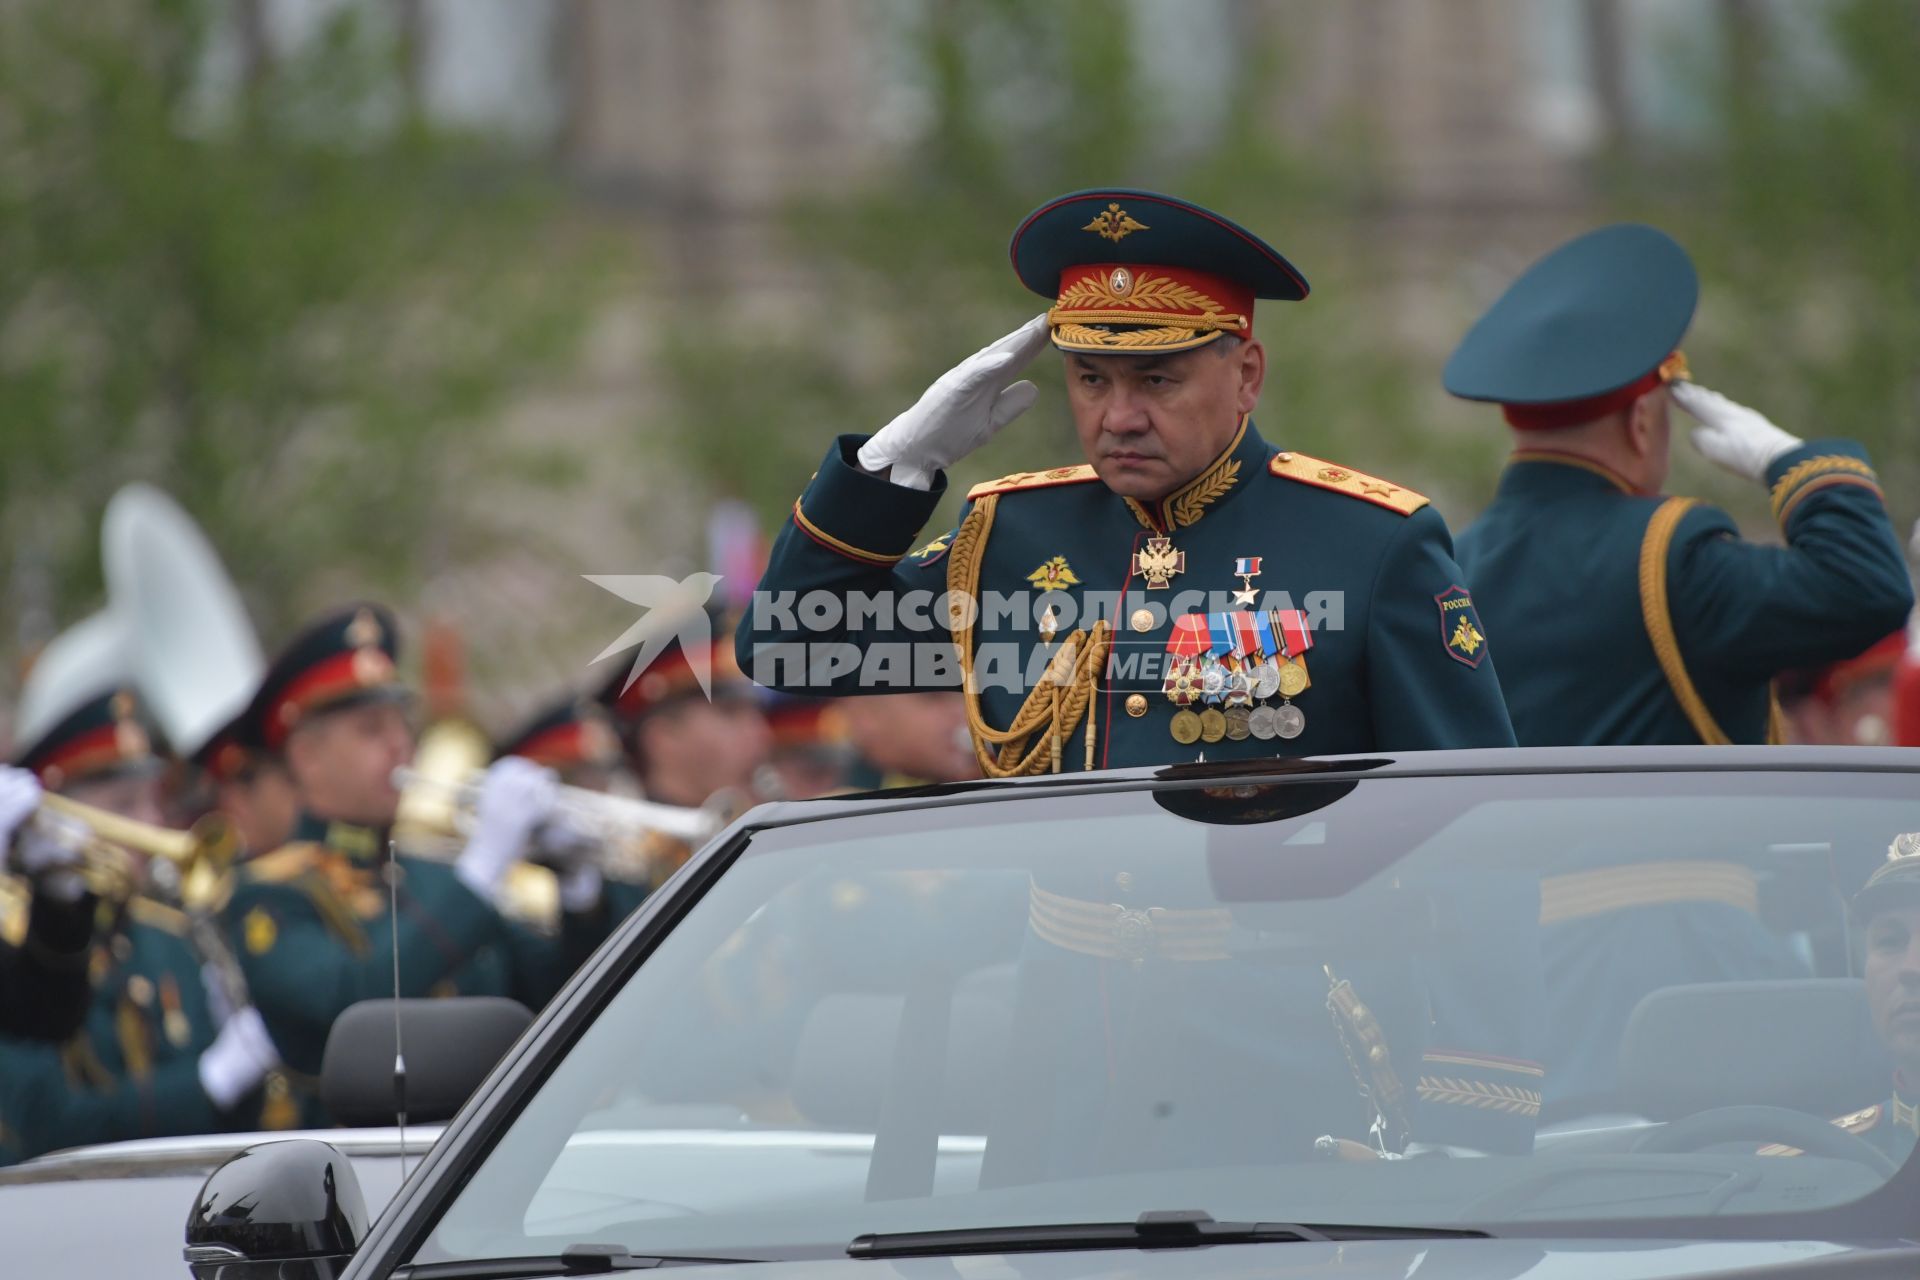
x=1887 y=912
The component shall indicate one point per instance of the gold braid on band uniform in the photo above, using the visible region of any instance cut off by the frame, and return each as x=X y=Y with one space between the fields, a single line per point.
x=1064 y=694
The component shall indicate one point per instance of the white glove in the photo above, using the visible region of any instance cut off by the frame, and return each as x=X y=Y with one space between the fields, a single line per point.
x=238 y=1059
x=1731 y=435
x=517 y=796
x=19 y=798
x=50 y=858
x=959 y=412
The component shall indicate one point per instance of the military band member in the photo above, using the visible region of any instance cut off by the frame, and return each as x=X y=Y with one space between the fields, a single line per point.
x=311 y=920
x=251 y=789
x=687 y=747
x=164 y=1050
x=574 y=739
x=812 y=752
x=43 y=974
x=1624 y=615
x=1188 y=589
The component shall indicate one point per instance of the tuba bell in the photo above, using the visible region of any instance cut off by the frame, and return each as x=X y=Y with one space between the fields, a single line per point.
x=194 y=654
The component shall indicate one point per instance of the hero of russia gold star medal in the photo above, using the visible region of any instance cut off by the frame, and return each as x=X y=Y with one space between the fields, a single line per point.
x=1158 y=562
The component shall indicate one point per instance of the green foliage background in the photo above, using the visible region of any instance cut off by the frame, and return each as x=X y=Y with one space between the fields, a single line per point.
x=286 y=300
x=1799 y=198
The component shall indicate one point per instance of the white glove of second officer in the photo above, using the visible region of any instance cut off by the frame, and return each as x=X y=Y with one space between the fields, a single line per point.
x=53 y=864
x=517 y=796
x=960 y=412
x=238 y=1059
x=1731 y=435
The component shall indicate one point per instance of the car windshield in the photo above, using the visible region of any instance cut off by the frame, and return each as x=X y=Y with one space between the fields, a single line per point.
x=1402 y=1000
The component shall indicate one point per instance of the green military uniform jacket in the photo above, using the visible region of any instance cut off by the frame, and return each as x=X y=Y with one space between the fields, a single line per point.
x=1555 y=566
x=314 y=930
x=43 y=981
x=1398 y=661
x=133 y=1069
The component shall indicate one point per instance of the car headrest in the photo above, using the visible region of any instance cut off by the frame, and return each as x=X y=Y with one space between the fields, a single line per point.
x=451 y=1045
x=1807 y=1044
x=844 y=1060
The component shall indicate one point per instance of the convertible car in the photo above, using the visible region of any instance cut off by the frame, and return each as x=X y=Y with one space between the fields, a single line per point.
x=1555 y=1013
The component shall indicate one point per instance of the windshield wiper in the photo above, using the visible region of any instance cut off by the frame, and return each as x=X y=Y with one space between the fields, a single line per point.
x=574 y=1260
x=1164 y=1229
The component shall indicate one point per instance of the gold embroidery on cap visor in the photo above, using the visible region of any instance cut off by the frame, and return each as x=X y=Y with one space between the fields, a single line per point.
x=1154 y=312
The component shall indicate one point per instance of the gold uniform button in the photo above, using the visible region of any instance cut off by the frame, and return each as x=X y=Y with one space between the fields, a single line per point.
x=1142 y=619
x=1136 y=705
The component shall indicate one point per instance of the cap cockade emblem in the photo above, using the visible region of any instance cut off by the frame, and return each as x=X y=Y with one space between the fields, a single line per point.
x=1115 y=224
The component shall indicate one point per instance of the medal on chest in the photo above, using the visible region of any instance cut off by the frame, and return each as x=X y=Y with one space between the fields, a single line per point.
x=1223 y=668
x=1158 y=562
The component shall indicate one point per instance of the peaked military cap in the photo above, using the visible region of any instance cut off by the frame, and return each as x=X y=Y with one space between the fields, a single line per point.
x=1896 y=882
x=104 y=737
x=572 y=732
x=1135 y=272
x=234 y=748
x=345 y=659
x=1584 y=331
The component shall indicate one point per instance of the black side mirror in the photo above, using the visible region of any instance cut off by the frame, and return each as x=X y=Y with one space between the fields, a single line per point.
x=450 y=1046
x=289 y=1209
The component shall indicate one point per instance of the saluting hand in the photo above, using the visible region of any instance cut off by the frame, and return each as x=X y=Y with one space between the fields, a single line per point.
x=960 y=412
x=1732 y=436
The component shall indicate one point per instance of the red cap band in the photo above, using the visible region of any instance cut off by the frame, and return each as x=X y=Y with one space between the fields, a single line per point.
x=1572 y=413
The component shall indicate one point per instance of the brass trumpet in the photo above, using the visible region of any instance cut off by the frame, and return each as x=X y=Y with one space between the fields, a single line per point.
x=199 y=856
x=199 y=859
x=599 y=815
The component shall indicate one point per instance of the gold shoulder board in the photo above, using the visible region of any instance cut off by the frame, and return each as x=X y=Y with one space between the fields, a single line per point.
x=1355 y=484
x=158 y=915
x=284 y=864
x=1033 y=480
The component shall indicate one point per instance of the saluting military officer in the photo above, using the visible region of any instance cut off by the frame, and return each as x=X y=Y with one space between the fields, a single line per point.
x=1187 y=589
x=163 y=1049
x=1628 y=617
x=312 y=918
x=1624 y=615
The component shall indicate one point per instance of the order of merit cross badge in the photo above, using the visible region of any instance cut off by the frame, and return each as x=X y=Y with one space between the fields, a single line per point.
x=1157 y=562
